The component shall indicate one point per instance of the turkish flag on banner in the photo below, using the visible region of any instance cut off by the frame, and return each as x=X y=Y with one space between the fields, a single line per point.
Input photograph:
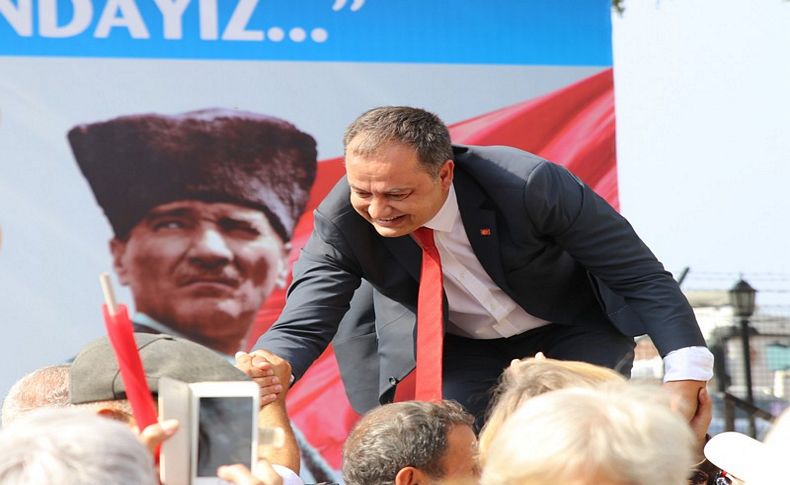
x=574 y=127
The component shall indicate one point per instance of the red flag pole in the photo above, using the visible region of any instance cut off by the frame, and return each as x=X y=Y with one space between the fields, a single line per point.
x=121 y=334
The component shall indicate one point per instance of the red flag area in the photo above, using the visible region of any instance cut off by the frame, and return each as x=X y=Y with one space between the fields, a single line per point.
x=573 y=126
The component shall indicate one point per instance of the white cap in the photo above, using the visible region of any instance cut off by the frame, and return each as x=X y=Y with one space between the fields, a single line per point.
x=749 y=460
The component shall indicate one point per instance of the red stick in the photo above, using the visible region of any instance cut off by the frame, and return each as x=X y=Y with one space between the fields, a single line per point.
x=119 y=329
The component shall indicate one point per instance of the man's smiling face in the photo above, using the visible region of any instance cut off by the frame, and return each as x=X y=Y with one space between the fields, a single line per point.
x=392 y=190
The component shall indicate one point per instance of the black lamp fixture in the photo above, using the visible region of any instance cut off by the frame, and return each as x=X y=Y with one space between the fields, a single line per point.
x=742 y=297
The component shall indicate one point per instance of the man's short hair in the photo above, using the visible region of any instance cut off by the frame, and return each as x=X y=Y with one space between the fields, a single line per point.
x=45 y=387
x=622 y=433
x=95 y=375
x=394 y=436
x=72 y=446
x=414 y=127
x=137 y=162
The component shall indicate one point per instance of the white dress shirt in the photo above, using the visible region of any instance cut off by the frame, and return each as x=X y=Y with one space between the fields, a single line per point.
x=479 y=309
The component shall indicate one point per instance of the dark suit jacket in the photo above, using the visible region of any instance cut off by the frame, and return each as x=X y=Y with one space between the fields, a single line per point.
x=558 y=249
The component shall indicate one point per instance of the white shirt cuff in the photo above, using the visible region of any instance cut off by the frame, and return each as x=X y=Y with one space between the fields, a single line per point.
x=288 y=475
x=688 y=363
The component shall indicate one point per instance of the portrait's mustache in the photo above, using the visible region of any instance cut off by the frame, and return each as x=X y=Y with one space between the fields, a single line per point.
x=225 y=276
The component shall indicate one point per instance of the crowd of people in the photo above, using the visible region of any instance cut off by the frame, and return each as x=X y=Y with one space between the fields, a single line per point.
x=509 y=367
x=550 y=422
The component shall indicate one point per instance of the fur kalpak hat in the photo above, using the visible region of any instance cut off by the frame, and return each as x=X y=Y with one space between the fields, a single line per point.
x=135 y=163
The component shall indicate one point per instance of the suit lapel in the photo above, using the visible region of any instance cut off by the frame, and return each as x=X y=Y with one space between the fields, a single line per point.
x=405 y=250
x=481 y=228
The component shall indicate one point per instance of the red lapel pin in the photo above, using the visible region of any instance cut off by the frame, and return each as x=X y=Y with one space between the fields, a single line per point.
x=485 y=231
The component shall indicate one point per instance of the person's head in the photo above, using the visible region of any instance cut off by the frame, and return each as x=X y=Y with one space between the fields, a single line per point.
x=45 y=387
x=96 y=383
x=202 y=205
x=412 y=443
x=616 y=436
x=72 y=447
x=399 y=166
x=530 y=377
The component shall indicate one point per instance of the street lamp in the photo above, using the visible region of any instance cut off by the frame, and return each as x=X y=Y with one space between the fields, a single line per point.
x=742 y=297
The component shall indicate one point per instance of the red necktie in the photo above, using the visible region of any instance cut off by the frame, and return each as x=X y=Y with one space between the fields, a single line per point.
x=427 y=377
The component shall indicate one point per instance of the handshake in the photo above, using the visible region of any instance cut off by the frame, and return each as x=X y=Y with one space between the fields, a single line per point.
x=220 y=435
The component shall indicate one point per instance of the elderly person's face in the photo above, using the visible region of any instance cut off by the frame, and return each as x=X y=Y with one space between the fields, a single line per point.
x=202 y=268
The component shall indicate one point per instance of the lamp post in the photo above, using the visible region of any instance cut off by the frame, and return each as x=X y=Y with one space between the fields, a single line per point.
x=742 y=297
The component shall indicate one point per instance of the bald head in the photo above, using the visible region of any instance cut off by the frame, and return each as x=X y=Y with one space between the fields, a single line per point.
x=45 y=387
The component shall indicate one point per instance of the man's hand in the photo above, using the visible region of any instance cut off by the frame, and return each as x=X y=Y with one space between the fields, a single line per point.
x=684 y=397
x=701 y=421
x=269 y=371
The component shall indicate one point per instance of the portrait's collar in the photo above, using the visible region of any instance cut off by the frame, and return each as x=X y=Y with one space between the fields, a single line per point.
x=141 y=318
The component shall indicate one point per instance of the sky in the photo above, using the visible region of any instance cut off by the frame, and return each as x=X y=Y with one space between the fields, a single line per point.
x=702 y=93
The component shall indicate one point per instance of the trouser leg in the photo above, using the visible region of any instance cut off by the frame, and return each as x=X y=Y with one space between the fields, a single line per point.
x=597 y=344
x=472 y=367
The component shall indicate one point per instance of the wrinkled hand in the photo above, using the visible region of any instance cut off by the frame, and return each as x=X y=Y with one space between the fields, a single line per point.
x=155 y=434
x=269 y=371
x=684 y=397
x=241 y=475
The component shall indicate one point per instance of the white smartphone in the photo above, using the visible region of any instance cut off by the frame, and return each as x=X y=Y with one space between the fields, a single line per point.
x=219 y=426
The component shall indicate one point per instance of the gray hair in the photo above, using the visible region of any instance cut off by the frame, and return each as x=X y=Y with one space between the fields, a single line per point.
x=45 y=387
x=72 y=446
x=414 y=127
x=623 y=433
x=398 y=435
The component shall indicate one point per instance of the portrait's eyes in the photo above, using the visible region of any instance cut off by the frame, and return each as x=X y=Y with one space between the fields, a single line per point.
x=165 y=223
x=362 y=195
x=240 y=229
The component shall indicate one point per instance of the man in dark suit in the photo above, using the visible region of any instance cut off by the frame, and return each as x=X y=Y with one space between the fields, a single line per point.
x=532 y=260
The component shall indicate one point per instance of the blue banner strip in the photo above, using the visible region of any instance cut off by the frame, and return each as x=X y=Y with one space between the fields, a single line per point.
x=521 y=32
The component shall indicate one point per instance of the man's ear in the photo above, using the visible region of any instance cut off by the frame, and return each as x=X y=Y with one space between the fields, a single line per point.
x=446 y=174
x=410 y=476
x=118 y=249
x=114 y=414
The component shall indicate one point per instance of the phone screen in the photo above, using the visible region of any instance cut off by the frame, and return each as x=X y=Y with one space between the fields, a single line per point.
x=224 y=433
